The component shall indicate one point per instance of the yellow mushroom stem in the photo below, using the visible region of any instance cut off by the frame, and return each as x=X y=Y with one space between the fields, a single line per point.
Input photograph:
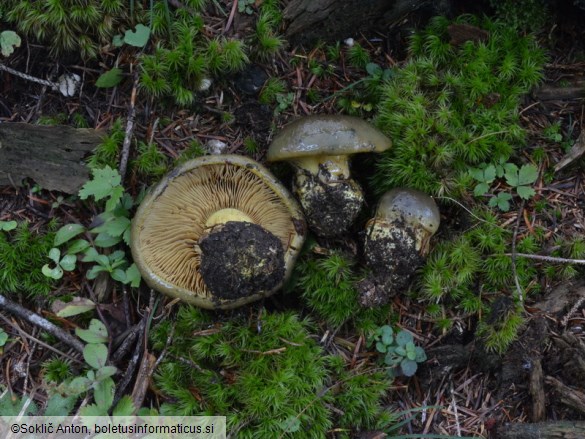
x=336 y=166
x=224 y=215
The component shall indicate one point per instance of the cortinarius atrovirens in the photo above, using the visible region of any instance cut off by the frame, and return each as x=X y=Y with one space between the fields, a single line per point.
x=397 y=242
x=217 y=232
x=319 y=147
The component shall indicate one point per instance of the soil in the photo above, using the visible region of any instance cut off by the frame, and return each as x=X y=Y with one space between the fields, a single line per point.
x=239 y=259
x=330 y=206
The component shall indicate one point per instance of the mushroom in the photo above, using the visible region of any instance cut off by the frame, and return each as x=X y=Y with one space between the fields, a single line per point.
x=319 y=146
x=396 y=243
x=217 y=232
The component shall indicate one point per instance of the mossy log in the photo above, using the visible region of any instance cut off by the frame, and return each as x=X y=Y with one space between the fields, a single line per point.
x=50 y=155
x=544 y=430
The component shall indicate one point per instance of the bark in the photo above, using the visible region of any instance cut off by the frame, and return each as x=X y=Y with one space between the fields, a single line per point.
x=544 y=430
x=331 y=20
x=50 y=155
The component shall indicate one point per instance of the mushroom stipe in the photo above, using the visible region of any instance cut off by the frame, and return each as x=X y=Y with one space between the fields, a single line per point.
x=199 y=199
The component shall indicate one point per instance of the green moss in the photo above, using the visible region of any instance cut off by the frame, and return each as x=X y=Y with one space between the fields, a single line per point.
x=269 y=376
x=327 y=286
x=451 y=107
x=107 y=152
x=150 y=162
x=23 y=252
x=68 y=25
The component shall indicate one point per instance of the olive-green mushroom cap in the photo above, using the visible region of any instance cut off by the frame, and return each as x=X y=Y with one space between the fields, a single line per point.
x=415 y=207
x=178 y=212
x=322 y=135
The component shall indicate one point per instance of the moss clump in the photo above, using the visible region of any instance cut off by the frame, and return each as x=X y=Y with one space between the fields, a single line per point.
x=68 y=25
x=327 y=285
x=269 y=376
x=454 y=105
x=23 y=252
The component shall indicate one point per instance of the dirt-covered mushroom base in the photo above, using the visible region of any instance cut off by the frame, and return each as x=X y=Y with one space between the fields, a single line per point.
x=391 y=255
x=330 y=208
x=239 y=259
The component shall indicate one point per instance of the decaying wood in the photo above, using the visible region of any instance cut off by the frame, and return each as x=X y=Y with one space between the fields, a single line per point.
x=50 y=155
x=575 y=89
x=544 y=430
x=566 y=395
x=575 y=152
x=537 y=391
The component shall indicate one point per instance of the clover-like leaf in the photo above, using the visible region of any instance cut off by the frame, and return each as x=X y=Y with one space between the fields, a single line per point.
x=139 y=37
x=420 y=355
x=8 y=225
x=408 y=367
x=68 y=262
x=404 y=337
x=54 y=273
x=8 y=41
x=96 y=333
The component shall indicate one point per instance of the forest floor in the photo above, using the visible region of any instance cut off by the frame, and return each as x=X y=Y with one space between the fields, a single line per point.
x=459 y=391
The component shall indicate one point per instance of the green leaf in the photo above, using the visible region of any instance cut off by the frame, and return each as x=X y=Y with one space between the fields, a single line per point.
x=8 y=41
x=117 y=226
x=115 y=197
x=78 y=305
x=58 y=405
x=103 y=393
x=138 y=38
x=105 y=240
x=68 y=262
x=54 y=273
x=291 y=425
x=404 y=337
x=93 y=410
x=78 y=385
x=8 y=225
x=110 y=79
x=103 y=183
x=481 y=189
x=502 y=201
x=133 y=276
x=381 y=347
x=118 y=41
x=90 y=255
x=105 y=372
x=399 y=350
x=55 y=255
x=511 y=174
x=96 y=333
x=95 y=271
x=67 y=232
x=408 y=367
x=77 y=246
x=95 y=354
x=125 y=407
x=525 y=192
x=420 y=355
x=3 y=337
x=527 y=175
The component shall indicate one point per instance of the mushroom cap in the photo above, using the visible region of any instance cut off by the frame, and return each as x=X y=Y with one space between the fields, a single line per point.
x=414 y=207
x=171 y=220
x=325 y=135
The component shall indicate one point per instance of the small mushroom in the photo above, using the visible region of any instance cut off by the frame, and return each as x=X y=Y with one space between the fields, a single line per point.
x=217 y=232
x=397 y=242
x=319 y=147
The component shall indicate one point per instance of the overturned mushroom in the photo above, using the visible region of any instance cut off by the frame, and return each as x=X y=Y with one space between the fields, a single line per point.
x=396 y=243
x=319 y=147
x=217 y=232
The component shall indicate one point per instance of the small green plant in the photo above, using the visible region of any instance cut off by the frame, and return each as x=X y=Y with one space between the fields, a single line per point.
x=114 y=228
x=519 y=179
x=272 y=88
x=7 y=226
x=246 y=6
x=266 y=43
x=151 y=162
x=401 y=354
x=9 y=40
x=97 y=379
x=358 y=56
x=62 y=263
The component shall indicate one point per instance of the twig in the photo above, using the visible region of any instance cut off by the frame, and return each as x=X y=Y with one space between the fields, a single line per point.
x=129 y=128
x=39 y=321
x=44 y=82
x=549 y=258
x=514 y=272
x=231 y=17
